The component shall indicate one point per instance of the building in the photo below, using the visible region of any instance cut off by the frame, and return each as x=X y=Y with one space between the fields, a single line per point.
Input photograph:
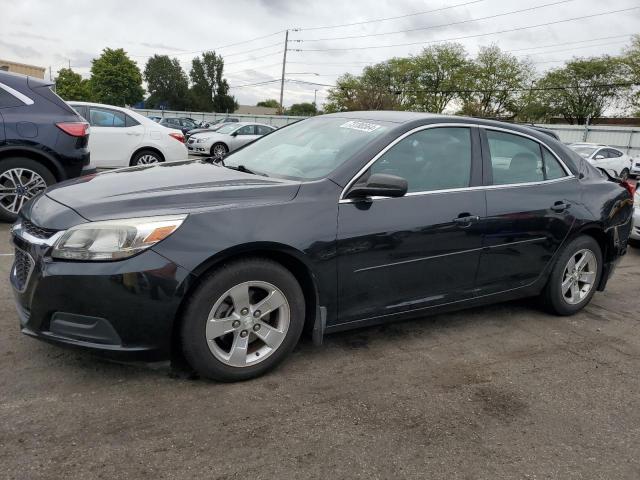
x=22 y=68
x=251 y=110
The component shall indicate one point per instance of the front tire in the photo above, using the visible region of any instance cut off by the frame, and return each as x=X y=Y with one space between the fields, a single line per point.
x=243 y=320
x=219 y=150
x=20 y=180
x=575 y=276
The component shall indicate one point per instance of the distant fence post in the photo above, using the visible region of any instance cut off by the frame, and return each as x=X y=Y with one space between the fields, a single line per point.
x=585 y=134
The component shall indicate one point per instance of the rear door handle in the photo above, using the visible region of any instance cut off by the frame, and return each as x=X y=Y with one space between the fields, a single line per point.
x=560 y=206
x=465 y=220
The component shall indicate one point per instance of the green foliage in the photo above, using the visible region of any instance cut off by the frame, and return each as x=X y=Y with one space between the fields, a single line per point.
x=71 y=86
x=631 y=60
x=304 y=109
x=167 y=83
x=583 y=88
x=436 y=75
x=270 y=103
x=115 y=78
x=210 y=91
x=497 y=84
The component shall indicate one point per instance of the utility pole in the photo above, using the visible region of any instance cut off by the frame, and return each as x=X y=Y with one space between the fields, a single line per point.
x=284 y=64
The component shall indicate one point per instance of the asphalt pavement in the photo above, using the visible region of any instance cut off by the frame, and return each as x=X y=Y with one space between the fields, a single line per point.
x=505 y=391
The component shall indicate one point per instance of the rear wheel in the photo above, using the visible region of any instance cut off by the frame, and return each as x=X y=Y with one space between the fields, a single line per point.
x=146 y=157
x=575 y=276
x=20 y=180
x=243 y=320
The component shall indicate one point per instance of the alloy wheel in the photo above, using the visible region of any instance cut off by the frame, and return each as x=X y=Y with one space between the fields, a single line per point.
x=18 y=185
x=248 y=323
x=579 y=276
x=146 y=159
x=219 y=151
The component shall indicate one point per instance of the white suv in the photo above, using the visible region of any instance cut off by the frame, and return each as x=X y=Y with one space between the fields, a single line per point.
x=121 y=137
x=604 y=156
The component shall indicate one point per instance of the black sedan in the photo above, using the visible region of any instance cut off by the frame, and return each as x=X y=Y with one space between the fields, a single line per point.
x=334 y=222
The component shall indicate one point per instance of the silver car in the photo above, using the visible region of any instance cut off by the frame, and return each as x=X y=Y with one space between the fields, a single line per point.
x=227 y=139
x=635 y=230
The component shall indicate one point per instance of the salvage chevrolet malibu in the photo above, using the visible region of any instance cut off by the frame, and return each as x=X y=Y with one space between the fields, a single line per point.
x=334 y=222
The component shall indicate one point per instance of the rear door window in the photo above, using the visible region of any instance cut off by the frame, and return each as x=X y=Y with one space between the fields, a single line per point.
x=102 y=117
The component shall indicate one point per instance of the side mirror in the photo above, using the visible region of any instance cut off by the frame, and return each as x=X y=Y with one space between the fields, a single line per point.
x=379 y=185
x=598 y=157
x=234 y=134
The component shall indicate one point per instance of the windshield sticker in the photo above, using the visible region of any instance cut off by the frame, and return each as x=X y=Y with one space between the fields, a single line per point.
x=362 y=126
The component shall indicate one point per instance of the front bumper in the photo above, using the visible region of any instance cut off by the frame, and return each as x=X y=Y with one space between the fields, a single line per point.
x=123 y=309
x=199 y=148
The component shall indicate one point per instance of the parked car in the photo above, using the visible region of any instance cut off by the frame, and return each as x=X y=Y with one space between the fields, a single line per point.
x=635 y=167
x=212 y=128
x=604 y=156
x=227 y=138
x=181 y=124
x=634 y=238
x=121 y=137
x=42 y=141
x=334 y=222
x=155 y=119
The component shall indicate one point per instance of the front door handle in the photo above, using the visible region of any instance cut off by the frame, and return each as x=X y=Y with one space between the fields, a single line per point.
x=465 y=219
x=560 y=206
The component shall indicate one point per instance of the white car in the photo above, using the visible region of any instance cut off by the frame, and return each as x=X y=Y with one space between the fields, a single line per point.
x=226 y=139
x=635 y=229
x=604 y=156
x=121 y=137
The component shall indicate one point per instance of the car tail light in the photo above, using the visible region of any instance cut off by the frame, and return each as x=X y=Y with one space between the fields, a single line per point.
x=177 y=136
x=75 y=129
x=630 y=187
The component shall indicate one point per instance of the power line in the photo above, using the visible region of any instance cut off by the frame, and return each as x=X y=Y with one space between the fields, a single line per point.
x=429 y=27
x=253 y=59
x=256 y=67
x=611 y=12
x=569 y=49
x=569 y=43
x=220 y=46
x=386 y=18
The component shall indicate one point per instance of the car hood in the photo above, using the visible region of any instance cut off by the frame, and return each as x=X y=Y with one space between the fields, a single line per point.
x=168 y=188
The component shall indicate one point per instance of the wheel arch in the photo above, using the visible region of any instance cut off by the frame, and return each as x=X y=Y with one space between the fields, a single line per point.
x=218 y=142
x=287 y=256
x=38 y=155
x=144 y=148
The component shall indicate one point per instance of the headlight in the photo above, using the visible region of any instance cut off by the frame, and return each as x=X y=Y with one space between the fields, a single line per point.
x=114 y=239
x=202 y=140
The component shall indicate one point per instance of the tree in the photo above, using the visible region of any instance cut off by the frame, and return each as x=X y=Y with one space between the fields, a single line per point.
x=380 y=87
x=631 y=60
x=269 y=103
x=584 y=88
x=436 y=76
x=210 y=91
x=71 y=86
x=167 y=83
x=498 y=83
x=115 y=78
x=303 y=109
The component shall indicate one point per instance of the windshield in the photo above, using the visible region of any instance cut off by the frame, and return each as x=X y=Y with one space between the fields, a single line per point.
x=227 y=128
x=308 y=149
x=584 y=151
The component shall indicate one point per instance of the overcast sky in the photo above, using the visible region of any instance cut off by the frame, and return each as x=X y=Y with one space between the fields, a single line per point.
x=52 y=33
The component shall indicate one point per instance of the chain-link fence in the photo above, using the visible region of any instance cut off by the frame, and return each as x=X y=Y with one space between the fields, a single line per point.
x=626 y=139
x=275 y=120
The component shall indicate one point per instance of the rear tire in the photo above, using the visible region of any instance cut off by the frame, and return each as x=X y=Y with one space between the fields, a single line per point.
x=574 y=277
x=146 y=157
x=20 y=180
x=224 y=334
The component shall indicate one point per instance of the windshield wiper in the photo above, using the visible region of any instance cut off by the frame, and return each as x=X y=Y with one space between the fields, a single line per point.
x=239 y=168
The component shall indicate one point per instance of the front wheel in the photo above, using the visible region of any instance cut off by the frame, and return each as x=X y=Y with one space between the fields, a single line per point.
x=20 y=180
x=219 y=150
x=243 y=320
x=575 y=276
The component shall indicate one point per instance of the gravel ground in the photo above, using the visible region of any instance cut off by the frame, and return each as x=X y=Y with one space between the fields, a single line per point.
x=505 y=391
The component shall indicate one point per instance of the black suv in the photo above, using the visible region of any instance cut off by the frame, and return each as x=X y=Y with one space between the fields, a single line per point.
x=42 y=141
